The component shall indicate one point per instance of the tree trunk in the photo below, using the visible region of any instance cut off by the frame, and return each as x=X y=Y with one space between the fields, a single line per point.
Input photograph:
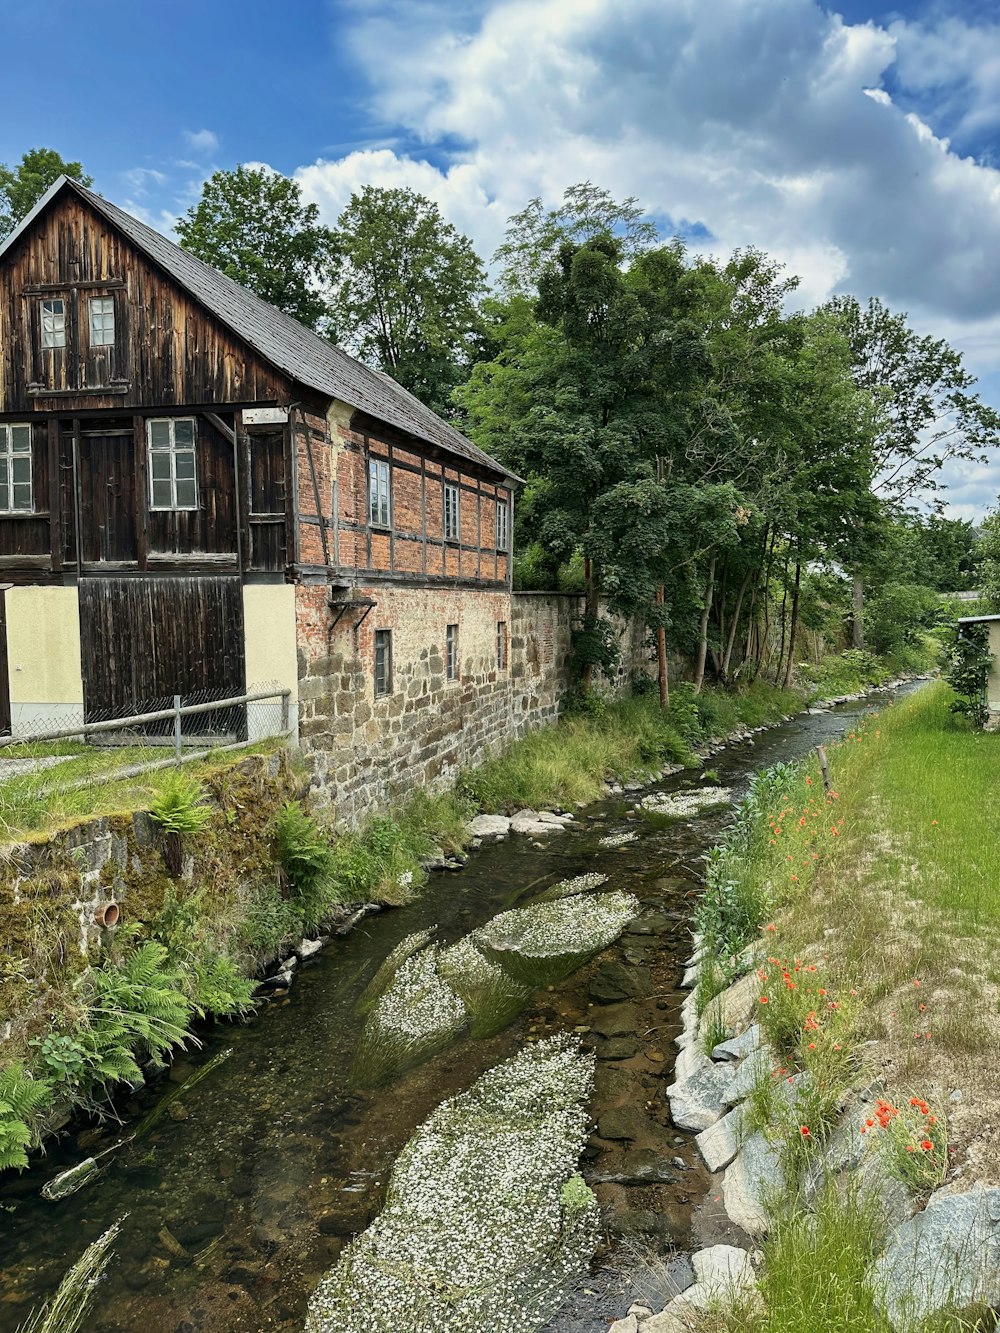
x=784 y=621
x=766 y=633
x=699 y=676
x=857 y=614
x=734 y=626
x=795 y=622
x=661 y=656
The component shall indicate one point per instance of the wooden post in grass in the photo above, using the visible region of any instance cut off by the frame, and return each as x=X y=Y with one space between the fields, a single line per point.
x=824 y=768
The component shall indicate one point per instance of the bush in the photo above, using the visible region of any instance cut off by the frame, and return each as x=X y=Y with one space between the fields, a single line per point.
x=21 y=1098
x=307 y=857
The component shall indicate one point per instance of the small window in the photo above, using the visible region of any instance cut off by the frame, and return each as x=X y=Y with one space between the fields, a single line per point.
x=172 y=478
x=451 y=652
x=53 y=324
x=452 y=525
x=102 y=321
x=378 y=493
x=383 y=661
x=15 y=469
x=501 y=645
x=502 y=528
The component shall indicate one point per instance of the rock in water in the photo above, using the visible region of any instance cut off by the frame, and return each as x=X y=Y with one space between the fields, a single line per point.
x=486 y=1223
x=613 y=981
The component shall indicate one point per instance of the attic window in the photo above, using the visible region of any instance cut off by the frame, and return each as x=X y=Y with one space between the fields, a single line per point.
x=53 y=324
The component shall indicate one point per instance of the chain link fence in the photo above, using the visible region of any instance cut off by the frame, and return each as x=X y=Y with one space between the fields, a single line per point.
x=58 y=751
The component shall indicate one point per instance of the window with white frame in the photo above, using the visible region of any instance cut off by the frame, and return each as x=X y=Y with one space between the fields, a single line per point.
x=102 y=321
x=15 y=469
x=383 y=661
x=451 y=652
x=502 y=525
x=452 y=525
x=172 y=477
x=379 y=509
x=53 y=323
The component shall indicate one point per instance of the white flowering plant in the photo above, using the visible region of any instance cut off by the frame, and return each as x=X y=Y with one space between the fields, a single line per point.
x=416 y=1017
x=544 y=943
x=492 y=997
x=486 y=1224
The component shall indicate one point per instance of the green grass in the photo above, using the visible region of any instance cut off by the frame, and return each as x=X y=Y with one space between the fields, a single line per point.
x=569 y=763
x=923 y=770
x=32 y=803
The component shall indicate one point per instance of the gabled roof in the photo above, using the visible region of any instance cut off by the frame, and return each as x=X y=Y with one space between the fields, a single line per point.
x=284 y=342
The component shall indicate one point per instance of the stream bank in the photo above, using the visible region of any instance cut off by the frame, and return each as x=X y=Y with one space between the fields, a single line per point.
x=264 y=1171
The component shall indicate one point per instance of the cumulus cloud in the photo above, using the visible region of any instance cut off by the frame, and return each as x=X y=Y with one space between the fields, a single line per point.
x=205 y=142
x=768 y=122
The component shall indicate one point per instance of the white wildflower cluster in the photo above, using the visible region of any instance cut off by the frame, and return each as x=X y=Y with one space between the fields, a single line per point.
x=617 y=839
x=491 y=995
x=417 y=1015
x=380 y=982
x=482 y=1228
x=568 y=888
x=684 y=804
x=542 y=943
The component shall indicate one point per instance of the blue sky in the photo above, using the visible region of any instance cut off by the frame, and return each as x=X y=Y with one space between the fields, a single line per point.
x=859 y=143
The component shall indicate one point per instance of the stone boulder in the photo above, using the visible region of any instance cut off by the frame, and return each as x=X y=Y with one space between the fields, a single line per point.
x=720 y=1143
x=750 y=1180
x=613 y=981
x=948 y=1255
x=737 y=1048
x=697 y=1101
x=489 y=828
x=734 y=1007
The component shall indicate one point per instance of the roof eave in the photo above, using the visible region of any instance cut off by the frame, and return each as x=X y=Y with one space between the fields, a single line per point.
x=55 y=188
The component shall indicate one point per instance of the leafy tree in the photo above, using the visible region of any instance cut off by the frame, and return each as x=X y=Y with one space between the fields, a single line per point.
x=406 y=291
x=926 y=412
x=252 y=225
x=22 y=186
x=535 y=235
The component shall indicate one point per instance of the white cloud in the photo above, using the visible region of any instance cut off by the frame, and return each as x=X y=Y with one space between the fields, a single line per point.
x=767 y=121
x=205 y=142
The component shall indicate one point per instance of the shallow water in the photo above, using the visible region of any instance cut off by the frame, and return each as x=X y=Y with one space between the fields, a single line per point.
x=247 y=1190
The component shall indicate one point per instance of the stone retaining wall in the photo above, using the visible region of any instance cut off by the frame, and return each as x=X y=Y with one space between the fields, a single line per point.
x=512 y=674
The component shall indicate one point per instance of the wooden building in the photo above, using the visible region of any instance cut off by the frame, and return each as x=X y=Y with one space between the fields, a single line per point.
x=199 y=494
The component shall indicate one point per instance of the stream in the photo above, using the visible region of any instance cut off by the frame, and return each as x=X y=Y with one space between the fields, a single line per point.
x=247 y=1190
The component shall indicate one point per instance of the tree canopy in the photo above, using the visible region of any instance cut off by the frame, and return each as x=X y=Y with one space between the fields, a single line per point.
x=23 y=185
x=405 y=291
x=252 y=225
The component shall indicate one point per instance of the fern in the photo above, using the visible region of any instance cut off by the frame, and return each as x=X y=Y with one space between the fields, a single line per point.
x=179 y=807
x=140 y=1003
x=21 y=1098
x=308 y=860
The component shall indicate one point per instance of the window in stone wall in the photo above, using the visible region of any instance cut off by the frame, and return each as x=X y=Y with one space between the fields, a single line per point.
x=378 y=493
x=451 y=519
x=383 y=661
x=501 y=645
x=451 y=652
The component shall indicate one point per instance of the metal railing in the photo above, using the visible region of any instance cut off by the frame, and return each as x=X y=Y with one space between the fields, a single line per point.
x=153 y=728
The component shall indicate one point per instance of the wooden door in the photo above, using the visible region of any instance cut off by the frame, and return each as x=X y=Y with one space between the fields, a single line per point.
x=108 y=528
x=143 y=640
x=267 y=499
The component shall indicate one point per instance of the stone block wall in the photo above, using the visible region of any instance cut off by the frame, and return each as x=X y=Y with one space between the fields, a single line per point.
x=364 y=751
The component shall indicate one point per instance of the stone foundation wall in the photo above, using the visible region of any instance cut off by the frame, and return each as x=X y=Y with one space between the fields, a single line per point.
x=365 y=750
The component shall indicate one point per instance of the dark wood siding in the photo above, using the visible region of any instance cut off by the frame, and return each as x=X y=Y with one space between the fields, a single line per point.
x=169 y=351
x=144 y=640
x=211 y=528
x=108 y=526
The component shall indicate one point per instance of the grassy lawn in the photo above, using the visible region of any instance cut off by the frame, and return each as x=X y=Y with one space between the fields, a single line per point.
x=886 y=894
x=569 y=763
x=32 y=804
